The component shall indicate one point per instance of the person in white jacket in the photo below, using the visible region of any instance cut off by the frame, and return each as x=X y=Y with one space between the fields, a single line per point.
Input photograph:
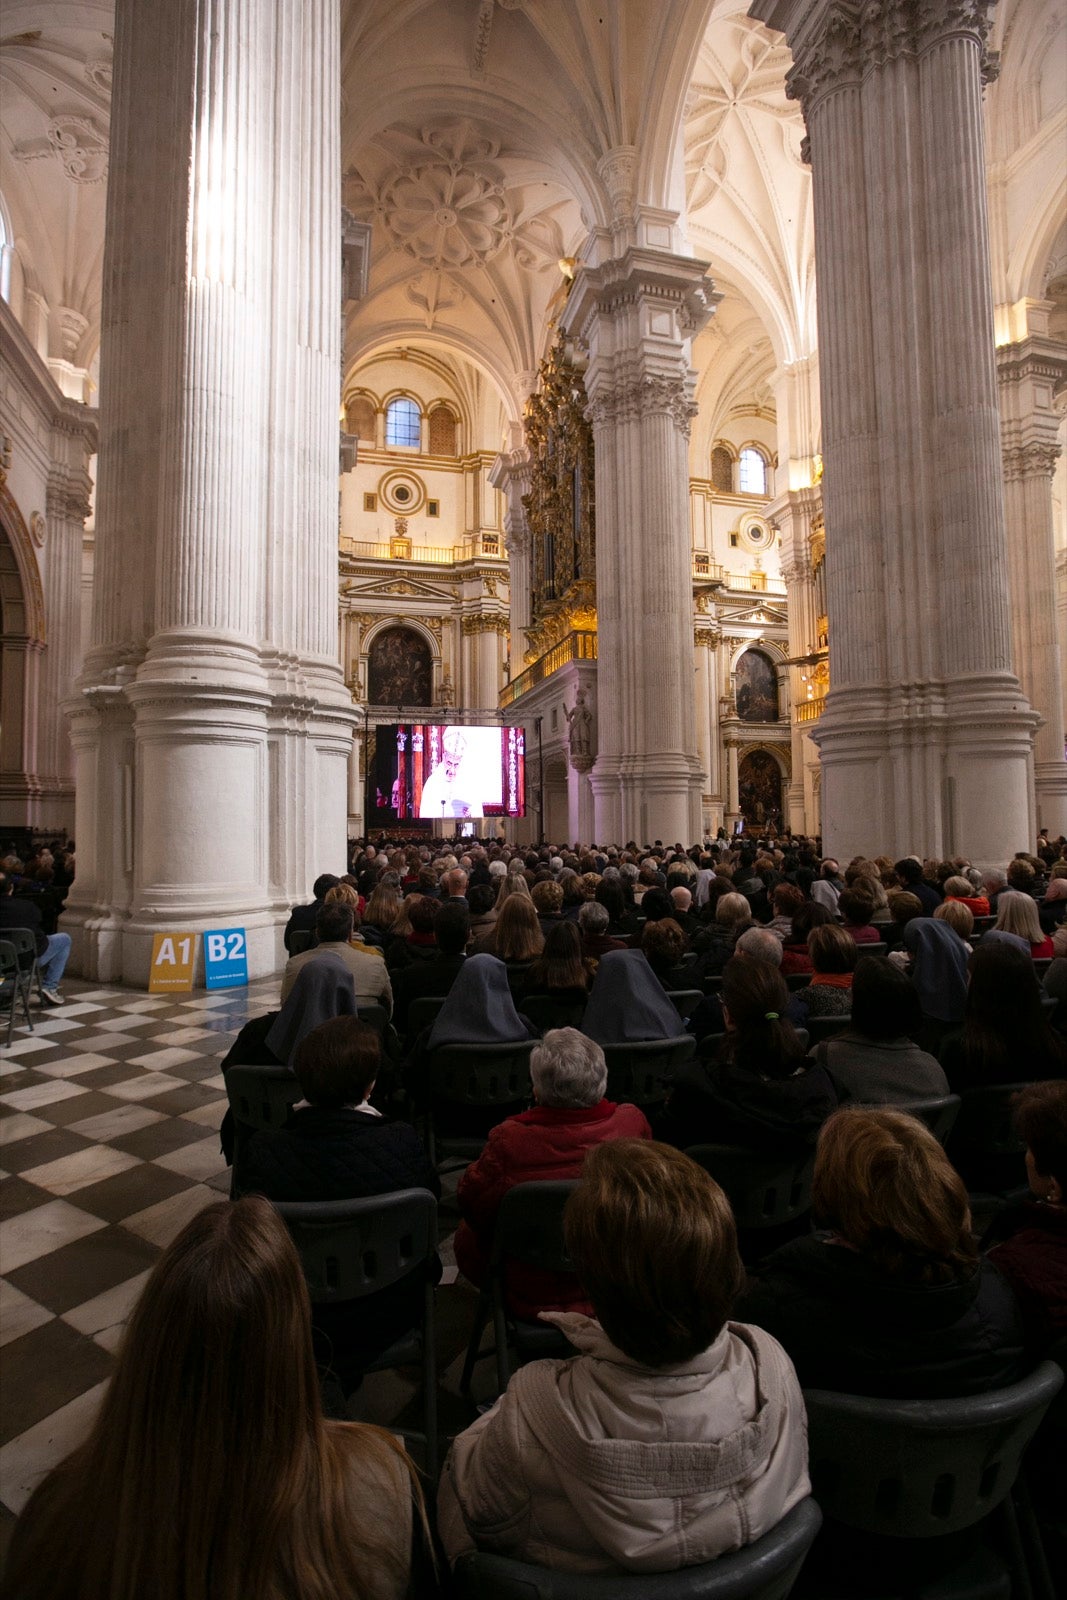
x=675 y=1436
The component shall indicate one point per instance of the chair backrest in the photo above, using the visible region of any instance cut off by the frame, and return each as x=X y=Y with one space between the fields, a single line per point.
x=764 y=1570
x=826 y=1027
x=300 y=939
x=984 y=1122
x=916 y=1469
x=529 y=1225
x=764 y=1191
x=261 y=1097
x=1041 y=966
x=422 y=1011
x=375 y=1016
x=637 y=1073
x=875 y=948
x=546 y=1011
x=24 y=940
x=939 y=1115
x=1049 y=1002
x=685 y=1001
x=481 y=1074
x=353 y=1248
x=9 y=960
x=797 y=980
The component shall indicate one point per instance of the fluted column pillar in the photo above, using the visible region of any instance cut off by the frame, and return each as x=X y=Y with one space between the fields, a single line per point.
x=926 y=740
x=510 y=473
x=794 y=514
x=637 y=314
x=211 y=719
x=733 y=800
x=1030 y=372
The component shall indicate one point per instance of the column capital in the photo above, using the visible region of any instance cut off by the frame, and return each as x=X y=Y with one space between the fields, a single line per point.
x=673 y=291
x=1037 y=459
x=835 y=43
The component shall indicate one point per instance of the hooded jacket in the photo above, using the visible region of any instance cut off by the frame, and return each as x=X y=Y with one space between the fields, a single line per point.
x=599 y=1463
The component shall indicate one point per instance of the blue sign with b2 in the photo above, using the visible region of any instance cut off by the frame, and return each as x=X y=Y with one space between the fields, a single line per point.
x=225 y=958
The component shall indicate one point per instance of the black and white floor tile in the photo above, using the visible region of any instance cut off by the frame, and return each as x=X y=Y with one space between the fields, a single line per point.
x=109 y=1118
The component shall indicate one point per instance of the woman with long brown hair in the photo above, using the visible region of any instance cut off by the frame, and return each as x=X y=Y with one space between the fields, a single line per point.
x=211 y=1470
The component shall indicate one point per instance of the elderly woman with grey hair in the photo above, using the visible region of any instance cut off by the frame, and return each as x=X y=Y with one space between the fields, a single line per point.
x=569 y=1116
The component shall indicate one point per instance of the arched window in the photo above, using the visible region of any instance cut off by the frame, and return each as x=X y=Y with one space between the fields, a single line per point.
x=403 y=422
x=752 y=475
x=442 y=432
x=722 y=470
x=360 y=416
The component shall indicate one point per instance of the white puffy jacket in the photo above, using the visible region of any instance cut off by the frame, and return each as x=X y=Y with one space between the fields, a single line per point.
x=599 y=1463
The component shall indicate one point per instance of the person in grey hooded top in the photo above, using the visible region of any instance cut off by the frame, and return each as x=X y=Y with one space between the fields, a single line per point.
x=674 y=1436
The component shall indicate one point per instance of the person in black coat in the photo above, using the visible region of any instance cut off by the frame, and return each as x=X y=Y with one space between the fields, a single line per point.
x=891 y=1299
x=338 y=1147
x=436 y=976
x=302 y=918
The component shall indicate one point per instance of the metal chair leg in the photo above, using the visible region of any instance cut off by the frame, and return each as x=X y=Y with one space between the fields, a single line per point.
x=481 y=1317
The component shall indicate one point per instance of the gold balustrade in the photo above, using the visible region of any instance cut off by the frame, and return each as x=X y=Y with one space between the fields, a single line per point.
x=577 y=646
x=811 y=710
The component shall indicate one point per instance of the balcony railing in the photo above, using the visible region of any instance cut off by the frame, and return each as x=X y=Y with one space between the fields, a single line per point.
x=429 y=554
x=578 y=646
x=811 y=710
x=707 y=571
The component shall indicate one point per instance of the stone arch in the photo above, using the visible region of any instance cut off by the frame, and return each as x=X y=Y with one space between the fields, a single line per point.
x=400 y=658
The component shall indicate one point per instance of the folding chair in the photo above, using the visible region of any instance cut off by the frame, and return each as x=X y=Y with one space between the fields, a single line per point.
x=14 y=986
x=938 y=1115
x=260 y=1097
x=488 y=1082
x=638 y=1073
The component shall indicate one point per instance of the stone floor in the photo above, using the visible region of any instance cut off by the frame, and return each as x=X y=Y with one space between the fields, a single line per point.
x=109 y=1117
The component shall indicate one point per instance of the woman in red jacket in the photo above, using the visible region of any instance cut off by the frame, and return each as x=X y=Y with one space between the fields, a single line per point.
x=570 y=1116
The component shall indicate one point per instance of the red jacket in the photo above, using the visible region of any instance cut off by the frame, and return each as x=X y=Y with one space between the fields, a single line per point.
x=547 y=1142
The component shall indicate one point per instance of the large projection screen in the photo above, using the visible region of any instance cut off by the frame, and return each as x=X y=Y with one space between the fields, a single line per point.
x=445 y=772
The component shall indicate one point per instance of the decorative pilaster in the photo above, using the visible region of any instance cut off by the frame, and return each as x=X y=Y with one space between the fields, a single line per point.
x=67 y=506
x=511 y=474
x=636 y=315
x=926 y=739
x=1030 y=373
x=797 y=514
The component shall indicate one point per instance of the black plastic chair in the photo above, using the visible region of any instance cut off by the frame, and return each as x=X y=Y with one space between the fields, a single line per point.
x=765 y=1570
x=797 y=980
x=819 y=1028
x=984 y=1146
x=764 y=1191
x=913 y=1471
x=260 y=1097
x=529 y=1229
x=638 y=1073
x=25 y=942
x=939 y=1115
x=14 y=986
x=685 y=1001
x=300 y=939
x=422 y=1012
x=546 y=1011
x=351 y=1249
x=490 y=1080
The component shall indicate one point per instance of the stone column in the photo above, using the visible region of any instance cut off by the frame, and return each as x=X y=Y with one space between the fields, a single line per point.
x=926 y=741
x=510 y=474
x=733 y=802
x=793 y=514
x=706 y=640
x=67 y=506
x=211 y=721
x=637 y=314
x=1030 y=373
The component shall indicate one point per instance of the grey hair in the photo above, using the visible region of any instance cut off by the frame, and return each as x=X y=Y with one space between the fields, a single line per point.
x=974 y=876
x=681 y=898
x=629 y=871
x=555 y=863
x=568 y=1070
x=593 y=916
x=994 y=878
x=759 y=944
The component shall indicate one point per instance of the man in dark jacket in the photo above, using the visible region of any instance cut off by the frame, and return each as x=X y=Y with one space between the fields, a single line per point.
x=302 y=918
x=338 y=1147
x=53 y=950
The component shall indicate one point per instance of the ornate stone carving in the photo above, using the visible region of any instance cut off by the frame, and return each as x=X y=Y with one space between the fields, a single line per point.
x=81 y=148
x=484 y=624
x=38 y=529
x=644 y=396
x=1034 y=460
x=706 y=638
x=856 y=39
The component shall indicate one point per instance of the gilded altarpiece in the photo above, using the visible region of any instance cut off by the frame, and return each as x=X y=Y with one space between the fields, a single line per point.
x=560 y=506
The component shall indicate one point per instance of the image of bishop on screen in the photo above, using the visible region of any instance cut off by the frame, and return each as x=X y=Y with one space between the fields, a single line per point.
x=467 y=777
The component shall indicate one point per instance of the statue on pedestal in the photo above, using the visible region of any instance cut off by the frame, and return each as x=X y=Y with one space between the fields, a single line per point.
x=580 y=734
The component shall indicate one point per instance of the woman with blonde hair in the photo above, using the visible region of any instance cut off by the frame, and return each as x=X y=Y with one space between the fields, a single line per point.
x=1017 y=913
x=210 y=1469
x=511 y=883
x=516 y=938
x=958 y=915
x=891 y=1297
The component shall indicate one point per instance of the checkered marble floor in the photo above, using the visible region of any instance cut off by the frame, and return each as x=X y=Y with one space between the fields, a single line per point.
x=109 y=1118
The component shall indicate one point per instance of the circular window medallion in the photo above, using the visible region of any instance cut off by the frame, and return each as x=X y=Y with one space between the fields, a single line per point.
x=756 y=532
x=402 y=491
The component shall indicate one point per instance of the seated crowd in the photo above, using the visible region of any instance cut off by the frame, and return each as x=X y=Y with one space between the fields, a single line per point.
x=668 y=1010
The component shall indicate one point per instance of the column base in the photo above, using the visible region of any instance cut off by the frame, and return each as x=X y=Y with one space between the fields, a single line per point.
x=108 y=950
x=930 y=769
